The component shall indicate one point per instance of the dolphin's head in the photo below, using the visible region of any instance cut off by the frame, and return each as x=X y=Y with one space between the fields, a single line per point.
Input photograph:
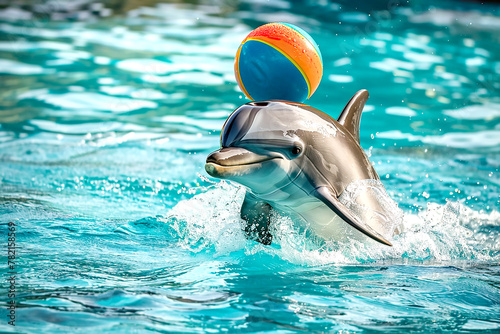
x=260 y=147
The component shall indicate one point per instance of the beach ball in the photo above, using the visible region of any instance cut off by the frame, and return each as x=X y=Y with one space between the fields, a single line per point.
x=278 y=61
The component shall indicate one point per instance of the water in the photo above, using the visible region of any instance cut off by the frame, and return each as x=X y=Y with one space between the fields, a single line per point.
x=108 y=111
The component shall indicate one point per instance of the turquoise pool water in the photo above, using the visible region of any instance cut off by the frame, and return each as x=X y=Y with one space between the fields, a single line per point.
x=109 y=110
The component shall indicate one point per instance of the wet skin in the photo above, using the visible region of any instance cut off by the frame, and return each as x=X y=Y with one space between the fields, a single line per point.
x=299 y=160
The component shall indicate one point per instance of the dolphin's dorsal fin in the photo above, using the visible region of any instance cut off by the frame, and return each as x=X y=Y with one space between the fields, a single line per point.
x=350 y=117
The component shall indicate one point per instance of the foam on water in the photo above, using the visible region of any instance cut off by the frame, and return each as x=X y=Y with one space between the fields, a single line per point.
x=450 y=234
x=207 y=221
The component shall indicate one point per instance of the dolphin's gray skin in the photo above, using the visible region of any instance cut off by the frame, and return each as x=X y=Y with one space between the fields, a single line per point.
x=297 y=159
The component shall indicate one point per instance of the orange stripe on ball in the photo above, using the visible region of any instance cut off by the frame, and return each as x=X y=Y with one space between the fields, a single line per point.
x=237 y=71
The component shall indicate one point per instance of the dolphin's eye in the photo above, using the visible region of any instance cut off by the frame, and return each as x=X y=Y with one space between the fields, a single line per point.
x=296 y=150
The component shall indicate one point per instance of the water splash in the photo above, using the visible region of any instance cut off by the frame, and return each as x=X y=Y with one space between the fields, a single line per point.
x=210 y=220
x=369 y=201
x=450 y=234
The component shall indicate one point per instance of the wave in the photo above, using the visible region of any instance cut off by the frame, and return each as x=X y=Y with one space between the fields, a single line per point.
x=450 y=234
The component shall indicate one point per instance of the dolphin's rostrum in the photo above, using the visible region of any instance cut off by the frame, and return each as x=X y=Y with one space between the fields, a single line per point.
x=298 y=159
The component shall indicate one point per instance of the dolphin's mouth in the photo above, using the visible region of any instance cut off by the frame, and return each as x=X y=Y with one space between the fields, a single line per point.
x=230 y=161
x=236 y=156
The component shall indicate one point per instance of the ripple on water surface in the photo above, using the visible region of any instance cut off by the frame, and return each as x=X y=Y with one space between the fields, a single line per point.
x=108 y=111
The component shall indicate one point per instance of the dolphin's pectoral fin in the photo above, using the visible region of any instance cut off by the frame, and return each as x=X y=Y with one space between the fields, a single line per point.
x=326 y=195
x=256 y=213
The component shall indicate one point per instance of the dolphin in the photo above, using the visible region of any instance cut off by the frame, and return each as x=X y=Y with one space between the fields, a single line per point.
x=299 y=160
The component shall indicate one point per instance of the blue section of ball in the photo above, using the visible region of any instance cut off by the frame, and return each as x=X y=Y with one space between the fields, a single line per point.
x=267 y=74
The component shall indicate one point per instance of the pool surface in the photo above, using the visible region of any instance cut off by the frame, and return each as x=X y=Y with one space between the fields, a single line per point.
x=108 y=111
